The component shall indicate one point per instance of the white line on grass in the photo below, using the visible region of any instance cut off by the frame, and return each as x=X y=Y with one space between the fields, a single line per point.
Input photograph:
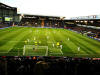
x=61 y=51
x=55 y=53
x=8 y=51
x=24 y=50
x=46 y=51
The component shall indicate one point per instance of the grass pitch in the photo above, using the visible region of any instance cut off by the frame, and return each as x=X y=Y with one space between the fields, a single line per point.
x=28 y=41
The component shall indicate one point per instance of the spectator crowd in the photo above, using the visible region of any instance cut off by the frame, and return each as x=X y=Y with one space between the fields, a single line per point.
x=29 y=65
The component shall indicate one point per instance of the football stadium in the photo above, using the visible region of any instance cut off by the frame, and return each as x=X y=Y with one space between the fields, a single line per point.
x=37 y=35
x=34 y=44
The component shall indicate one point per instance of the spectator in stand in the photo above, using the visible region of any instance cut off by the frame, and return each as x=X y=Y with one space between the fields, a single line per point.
x=41 y=68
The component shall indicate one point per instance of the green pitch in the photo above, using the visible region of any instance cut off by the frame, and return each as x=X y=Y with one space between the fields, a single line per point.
x=28 y=41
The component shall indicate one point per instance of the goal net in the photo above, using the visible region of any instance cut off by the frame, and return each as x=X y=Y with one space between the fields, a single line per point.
x=32 y=50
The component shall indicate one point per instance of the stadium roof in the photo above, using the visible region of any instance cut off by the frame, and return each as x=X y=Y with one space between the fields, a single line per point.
x=6 y=6
x=41 y=16
x=86 y=17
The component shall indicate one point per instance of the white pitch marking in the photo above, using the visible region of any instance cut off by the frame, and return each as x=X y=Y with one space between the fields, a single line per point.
x=53 y=44
x=24 y=50
x=9 y=49
x=46 y=51
x=61 y=51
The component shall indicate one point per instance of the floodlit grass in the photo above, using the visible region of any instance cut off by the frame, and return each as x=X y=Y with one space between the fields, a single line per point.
x=12 y=41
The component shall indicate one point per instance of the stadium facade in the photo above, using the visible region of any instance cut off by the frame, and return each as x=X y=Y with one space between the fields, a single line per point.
x=8 y=14
x=93 y=20
x=9 y=17
x=42 y=21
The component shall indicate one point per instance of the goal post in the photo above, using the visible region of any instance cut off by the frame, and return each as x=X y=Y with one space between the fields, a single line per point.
x=24 y=50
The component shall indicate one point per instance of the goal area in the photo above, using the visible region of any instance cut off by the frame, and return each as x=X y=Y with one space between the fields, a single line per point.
x=32 y=50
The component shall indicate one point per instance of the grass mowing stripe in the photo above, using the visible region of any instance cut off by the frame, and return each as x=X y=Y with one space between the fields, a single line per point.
x=50 y=40
x=43 y=34
x=67 y=43
x=8 y=34
x=75 y=41
x=8 y=31
x=55 y=41
x=19 y=45
x=9 y=44
x=90 y=40
x=84 y=43
x=39 y=37
x=55 y=35
x=8 y=37
x=96 y=47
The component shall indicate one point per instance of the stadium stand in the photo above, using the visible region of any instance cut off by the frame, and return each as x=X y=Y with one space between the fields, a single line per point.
x=49 y=65
x=92 y=33
x=39 y=21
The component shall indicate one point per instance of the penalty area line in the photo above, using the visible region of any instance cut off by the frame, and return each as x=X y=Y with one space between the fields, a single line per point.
x=61 y=51
x=6 y=51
